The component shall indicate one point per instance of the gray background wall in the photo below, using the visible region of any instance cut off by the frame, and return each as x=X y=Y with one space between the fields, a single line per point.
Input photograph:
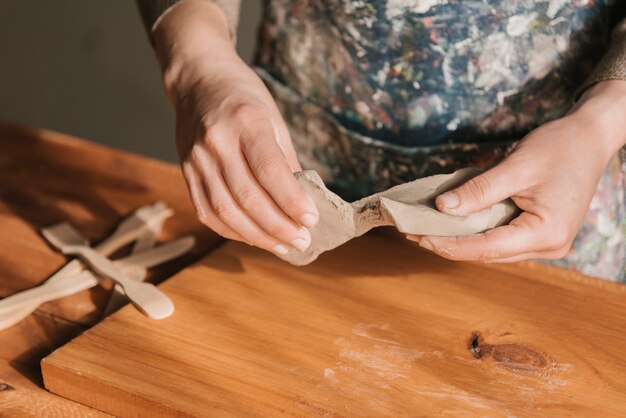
x=85 y=67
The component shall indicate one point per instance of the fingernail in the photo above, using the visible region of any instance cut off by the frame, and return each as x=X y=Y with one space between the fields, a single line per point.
x=300 y=243
x=281 y=249
x=426 y=244
x=448 y=200
x=308 y=219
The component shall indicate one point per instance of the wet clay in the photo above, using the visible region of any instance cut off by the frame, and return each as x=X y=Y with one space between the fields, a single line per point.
x=410 y=207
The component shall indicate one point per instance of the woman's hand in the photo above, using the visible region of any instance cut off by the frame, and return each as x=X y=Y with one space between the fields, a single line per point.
x=235 y=149
x=551 y=175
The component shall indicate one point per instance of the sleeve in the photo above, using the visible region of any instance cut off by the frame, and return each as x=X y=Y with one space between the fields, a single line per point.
x=152 y=10
x=613 y=64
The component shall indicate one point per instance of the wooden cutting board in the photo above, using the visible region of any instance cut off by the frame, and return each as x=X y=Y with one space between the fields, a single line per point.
x=374 y=328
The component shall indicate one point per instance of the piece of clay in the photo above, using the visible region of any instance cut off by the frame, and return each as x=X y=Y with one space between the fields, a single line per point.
x=410 y=207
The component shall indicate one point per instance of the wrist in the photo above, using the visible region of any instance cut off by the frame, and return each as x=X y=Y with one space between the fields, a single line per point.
x=191 y=32
x=603 y=106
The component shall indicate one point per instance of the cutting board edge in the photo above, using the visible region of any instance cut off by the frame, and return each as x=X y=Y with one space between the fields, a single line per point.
x=106 y=397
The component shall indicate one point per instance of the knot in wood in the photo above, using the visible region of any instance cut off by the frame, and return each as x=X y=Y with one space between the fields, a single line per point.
x=512 y=356
x=5 y=387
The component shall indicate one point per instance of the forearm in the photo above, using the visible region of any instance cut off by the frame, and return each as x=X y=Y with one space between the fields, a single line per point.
x=602 y=98
x=603 y=105
x=191 y=31
x=152 y=10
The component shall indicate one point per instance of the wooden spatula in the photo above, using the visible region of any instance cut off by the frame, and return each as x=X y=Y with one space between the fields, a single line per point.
x=144 y=296
x=147 y=258
x=135 y=226
x=147 y=239
x=132 y=228
x=44 y=293
x=15 y=307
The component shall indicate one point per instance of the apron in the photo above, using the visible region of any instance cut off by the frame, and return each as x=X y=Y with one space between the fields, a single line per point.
x=381 y=92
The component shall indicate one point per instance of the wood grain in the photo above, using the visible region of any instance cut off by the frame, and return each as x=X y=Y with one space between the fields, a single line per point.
x=374 y=328
x=22 y=397
x=45 y=178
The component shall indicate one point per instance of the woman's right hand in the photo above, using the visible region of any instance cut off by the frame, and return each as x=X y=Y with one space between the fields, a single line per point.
x=235 y=149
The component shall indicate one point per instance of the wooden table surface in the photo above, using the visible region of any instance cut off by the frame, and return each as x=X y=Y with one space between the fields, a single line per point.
x=374 y=328
x=46 y=177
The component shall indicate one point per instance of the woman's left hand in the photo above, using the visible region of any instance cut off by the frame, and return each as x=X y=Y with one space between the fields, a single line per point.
x=551 y=176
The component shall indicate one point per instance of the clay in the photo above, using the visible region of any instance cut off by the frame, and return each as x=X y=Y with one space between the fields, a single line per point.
x=410 y=207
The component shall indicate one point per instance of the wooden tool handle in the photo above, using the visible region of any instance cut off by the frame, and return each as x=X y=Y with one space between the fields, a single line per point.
x=146 y=259
x=145 y=296
x=72 y=279
x=158 y=255
x=16 y=307
x=134 y=227
x=47 y=292
x=148 y=299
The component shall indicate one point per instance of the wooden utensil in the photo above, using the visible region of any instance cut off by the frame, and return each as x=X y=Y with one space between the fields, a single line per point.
x=147 y=239
x=147 y=259
x=133 y=227
x=15 y=307
x=157 y=255
x=144 y=296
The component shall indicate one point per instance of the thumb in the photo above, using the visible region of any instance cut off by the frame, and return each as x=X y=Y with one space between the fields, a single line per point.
x=480 y=192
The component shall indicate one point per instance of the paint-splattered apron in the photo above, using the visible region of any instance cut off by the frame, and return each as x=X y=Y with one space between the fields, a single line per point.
x=377 y=93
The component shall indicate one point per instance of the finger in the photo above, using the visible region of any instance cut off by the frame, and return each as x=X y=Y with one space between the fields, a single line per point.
x=203 y=209
x=283 y=138
x=272 y=172
x=286 y=145
x=482 y=191
x=226 y=209
x=523 y=235
x=515 y=259
x=549 y=255
x=260 y=206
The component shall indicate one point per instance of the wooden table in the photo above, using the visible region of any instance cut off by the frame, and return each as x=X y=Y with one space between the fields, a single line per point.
x=46 y=177
x=377 y=327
